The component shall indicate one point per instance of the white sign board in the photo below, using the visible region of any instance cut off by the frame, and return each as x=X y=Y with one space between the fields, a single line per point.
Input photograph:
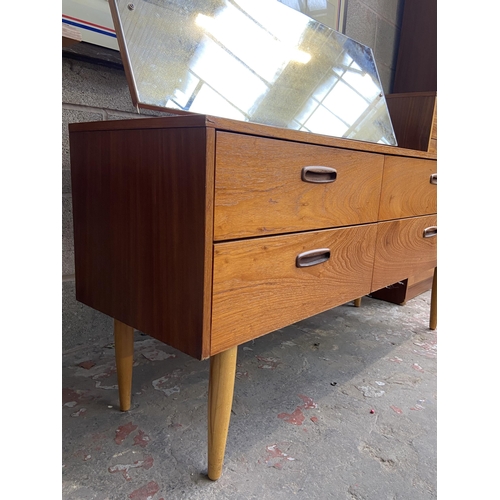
x=92 y=18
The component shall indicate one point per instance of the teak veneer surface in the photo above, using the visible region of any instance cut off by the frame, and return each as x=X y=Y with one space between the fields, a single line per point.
x=406 y=188
x=405 y=290
x=413 y=119
x=148 y=253
x=142 y=209
x=259 y=190
x=225 y=124
x=258 y=288
x=199 y=231
x=402 y=250
x=433 y=140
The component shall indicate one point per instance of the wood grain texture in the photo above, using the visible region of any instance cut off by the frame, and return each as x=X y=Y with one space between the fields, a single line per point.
x=402 y=251
x=225 y=124
x=406 y=188
x=433 y=312
x=416 y=67
x=420 y=277
x=208 y=241
x=140 y=208
x=70 y=35
x=143 y=207
x=142 y=123
x=418 y=287
x=434 y=123
x=433 y=140
x=124 y=356
x=412 y=117
x=220 y=401
x=258 y=288
x=259 y=191
x=405 y=290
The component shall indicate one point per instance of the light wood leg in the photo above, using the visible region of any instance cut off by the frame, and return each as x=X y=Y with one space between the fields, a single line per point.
x=433 y=316
x=124 y=354
x=357 y=302
x=220 y=401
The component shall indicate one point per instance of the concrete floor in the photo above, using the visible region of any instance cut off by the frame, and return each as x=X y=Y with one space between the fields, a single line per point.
x=339 y=406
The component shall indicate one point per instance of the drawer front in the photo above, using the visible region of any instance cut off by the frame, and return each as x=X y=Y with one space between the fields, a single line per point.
x=407 y=190
x=402 y=250
x=259 y=188
x=258 y=288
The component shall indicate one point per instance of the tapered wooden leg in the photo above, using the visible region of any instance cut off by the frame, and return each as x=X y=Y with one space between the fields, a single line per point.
x=357 y=302
x=433 y=316
x=220 y=401
x=124 y=354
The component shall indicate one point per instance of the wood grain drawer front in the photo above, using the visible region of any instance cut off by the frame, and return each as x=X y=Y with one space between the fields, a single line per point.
x=404 y=250
x=258 y=287
x=407 y=190
x=259 y=189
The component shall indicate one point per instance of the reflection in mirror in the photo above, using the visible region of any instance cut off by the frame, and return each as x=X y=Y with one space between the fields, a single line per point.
x=329 y=12
x=251 y=60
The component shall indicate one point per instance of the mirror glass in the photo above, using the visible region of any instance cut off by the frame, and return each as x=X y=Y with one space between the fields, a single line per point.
x=258 y=61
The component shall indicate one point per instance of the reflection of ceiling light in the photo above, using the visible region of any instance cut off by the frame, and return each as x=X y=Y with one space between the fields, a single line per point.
x=300 y=56
x=204 y=21
x=291 y=53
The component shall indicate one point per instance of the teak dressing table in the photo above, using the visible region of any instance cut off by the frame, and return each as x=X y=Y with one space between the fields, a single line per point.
x=205 y=233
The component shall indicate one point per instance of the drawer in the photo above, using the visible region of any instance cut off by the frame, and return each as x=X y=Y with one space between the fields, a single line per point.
x=407 y=190
x=402 y=250
x=258 y=288
x=259 y=188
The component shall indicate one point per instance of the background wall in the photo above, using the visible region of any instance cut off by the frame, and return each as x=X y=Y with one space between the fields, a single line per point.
x=93 y=91
x=377 y=23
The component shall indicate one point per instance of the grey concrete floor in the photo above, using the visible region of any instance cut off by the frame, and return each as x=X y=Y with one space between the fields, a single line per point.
x=342 y=405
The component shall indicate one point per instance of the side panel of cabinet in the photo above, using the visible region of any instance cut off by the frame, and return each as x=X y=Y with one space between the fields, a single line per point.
x=142 y=207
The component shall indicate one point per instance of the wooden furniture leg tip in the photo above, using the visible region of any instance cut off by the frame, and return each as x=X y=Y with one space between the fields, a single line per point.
x=124 y=355
x=220 y=401
x=357 y=302
x=215 y=477
x=433 y=313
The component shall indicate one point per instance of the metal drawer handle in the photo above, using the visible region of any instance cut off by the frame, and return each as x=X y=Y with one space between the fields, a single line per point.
x=434 y=179
x=318 y=174
x=312 y=257
x=430 y=232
